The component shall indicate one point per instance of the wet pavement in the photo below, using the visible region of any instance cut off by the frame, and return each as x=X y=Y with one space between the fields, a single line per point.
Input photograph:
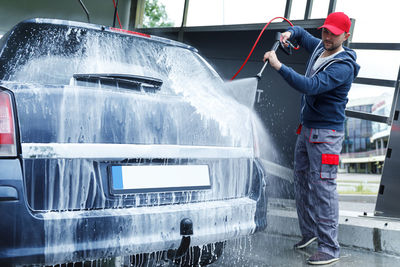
x=263 y=249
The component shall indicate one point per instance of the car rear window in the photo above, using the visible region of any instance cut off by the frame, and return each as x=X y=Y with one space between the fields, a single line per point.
x=39 y=53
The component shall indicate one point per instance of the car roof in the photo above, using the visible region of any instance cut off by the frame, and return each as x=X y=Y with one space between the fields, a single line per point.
x=102 y=28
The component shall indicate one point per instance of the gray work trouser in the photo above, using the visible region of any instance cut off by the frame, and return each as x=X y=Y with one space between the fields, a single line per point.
x=316 y=163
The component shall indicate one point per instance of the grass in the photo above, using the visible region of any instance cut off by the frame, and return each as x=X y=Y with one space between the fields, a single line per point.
x=359 y=189
x=356 y=181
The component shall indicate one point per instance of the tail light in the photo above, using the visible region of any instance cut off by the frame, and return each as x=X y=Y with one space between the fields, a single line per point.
x=8 y=146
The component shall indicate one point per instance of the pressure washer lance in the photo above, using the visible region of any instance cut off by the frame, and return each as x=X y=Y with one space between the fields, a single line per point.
x=277 y=44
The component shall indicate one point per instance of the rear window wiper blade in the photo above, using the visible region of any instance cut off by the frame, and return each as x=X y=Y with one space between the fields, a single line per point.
x=126 y=81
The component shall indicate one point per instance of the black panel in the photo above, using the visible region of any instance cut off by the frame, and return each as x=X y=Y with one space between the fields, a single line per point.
x=387 y=204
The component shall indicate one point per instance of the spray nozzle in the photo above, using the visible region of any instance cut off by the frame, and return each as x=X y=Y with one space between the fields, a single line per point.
x=286 y=49
x=277 y=44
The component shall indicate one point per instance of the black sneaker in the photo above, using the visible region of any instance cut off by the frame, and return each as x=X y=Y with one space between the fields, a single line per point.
x=305 y=242
x=321 y=258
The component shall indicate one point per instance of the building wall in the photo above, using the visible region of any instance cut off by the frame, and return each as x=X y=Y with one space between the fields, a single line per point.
x=365 y=142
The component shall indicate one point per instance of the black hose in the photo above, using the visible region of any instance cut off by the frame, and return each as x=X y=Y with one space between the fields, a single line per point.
x=115 y=13
x=85 y=9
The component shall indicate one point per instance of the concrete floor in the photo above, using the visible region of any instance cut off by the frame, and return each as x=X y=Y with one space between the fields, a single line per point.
x=263 y=249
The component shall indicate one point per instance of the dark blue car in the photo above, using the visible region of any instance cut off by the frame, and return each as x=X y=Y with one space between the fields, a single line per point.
x=116 y=143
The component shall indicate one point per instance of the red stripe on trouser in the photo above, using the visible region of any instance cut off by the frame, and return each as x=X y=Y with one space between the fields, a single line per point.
x=298 y=131
x=331 y=159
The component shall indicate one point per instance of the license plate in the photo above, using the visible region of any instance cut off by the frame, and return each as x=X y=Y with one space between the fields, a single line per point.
x=159 y=178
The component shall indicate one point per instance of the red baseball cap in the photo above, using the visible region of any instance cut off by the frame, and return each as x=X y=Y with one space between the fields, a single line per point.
x=337 y=23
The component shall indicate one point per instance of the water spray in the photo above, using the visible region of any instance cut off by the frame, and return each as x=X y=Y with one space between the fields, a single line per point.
x=244 y=91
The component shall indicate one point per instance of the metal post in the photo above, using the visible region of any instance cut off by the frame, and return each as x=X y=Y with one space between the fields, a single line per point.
x=136 y=14
x=332 y=6
x=288 y=8
x=184 y=19
x=185 y=12
x=395 y=99
x=307 y=14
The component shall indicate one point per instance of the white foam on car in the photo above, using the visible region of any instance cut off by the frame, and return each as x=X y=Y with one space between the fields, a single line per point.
x=196 y=110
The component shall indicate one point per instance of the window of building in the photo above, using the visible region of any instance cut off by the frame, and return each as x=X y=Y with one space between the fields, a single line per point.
x=173 y=10
x=226 y=12
x=320 y=9
x=298 y=9
x=378 y=64
x=369 y=21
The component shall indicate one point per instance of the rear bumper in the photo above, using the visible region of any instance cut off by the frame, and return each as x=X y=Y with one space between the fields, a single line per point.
x=81 y=235
x=71 y=236
x=106 y=233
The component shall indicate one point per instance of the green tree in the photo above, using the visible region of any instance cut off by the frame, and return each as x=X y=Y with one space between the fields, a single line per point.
x=155 y=15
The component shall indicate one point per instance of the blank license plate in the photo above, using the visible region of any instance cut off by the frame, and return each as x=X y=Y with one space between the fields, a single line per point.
x=159 y=178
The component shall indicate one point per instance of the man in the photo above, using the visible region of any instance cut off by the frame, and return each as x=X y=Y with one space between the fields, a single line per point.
x=330 y=71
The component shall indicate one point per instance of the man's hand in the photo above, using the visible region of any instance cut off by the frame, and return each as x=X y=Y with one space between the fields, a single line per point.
x=271 y=55
x=284 y=37
x=273 y=60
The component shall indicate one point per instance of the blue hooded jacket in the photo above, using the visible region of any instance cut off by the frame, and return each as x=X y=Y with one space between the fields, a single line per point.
x=325 y=91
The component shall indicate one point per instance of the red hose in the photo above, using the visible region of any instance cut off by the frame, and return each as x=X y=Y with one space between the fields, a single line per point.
x=255 y=44
x=119 y=22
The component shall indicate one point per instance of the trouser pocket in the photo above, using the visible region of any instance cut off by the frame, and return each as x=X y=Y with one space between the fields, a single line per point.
x=323 y=136
x=329 y=166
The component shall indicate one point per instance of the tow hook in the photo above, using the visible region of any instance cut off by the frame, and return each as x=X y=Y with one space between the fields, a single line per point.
x=186 y=230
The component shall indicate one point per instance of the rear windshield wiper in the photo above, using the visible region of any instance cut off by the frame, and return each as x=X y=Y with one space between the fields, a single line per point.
x=126 y=81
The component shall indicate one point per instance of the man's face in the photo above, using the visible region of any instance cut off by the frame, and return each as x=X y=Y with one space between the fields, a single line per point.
x=331 y=41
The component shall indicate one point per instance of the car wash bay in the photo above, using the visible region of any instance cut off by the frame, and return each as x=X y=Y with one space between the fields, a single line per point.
x=369 y=228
